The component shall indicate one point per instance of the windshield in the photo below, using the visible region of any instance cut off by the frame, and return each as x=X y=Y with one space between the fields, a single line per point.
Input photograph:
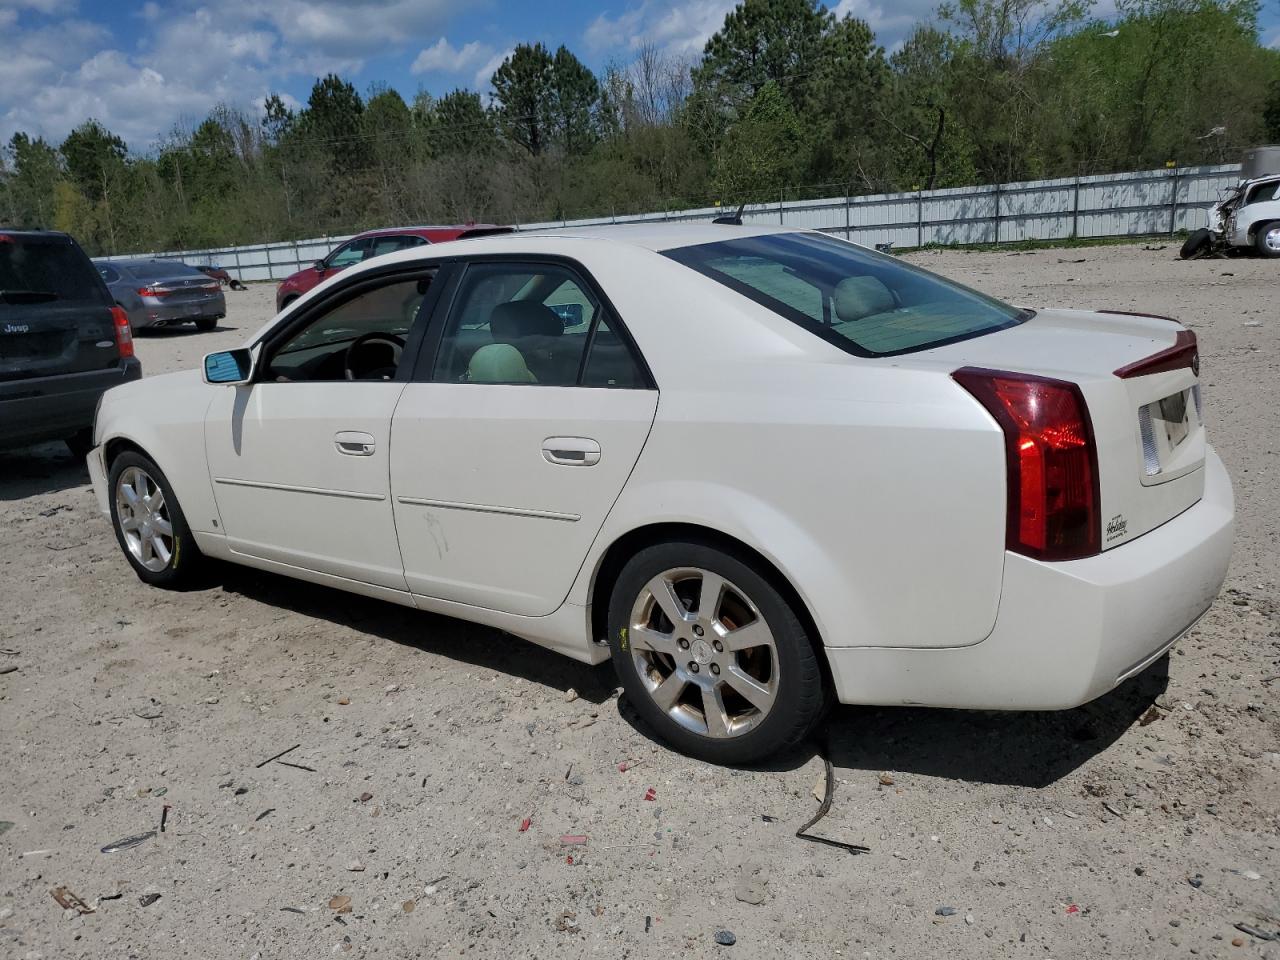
x=866 y=303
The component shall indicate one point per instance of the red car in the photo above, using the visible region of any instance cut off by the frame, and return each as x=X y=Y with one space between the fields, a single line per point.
x=374 y=243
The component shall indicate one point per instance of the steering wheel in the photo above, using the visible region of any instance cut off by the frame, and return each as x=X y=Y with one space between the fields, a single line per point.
x=378 y=373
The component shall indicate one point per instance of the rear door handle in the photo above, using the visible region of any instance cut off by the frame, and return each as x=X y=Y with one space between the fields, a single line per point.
x=354 y=444
x=571 y=451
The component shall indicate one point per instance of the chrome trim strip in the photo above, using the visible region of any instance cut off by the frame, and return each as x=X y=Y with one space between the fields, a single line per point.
x=289 y=488
x=486 y=508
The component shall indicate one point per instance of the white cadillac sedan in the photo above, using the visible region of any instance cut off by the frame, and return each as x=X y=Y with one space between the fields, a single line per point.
x=761 y=469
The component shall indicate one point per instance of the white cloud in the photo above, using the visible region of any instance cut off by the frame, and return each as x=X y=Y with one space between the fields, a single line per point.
x=443 y=57
x=891 y=20
x=485 y=73
x=47 y=7
x=677 y=28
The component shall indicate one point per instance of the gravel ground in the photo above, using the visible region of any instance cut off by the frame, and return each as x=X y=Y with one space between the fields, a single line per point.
x=423 y=743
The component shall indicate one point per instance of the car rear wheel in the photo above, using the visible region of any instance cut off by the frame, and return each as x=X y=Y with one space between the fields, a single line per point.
x=1266 y=239
x=712 y=655
x=149 y=524
x=205 y=324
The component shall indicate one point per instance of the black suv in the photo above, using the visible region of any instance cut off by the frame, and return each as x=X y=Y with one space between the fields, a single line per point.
x=63 y=341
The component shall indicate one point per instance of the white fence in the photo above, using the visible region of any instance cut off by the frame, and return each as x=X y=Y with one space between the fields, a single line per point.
x=1121 y=204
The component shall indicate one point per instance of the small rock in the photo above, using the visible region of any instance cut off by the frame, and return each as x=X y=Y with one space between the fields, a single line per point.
x=1251 y=874
x=147 y=899
x=391 y=688
x=355 y=866
x=1237 y=941
x=945 y=912
x=725 y=938
x=752 y=885
x=968 y=918
x=241 y=791
x=886 y=780
x=1196 y=881
x=409 y=905
x=570 y=695
x=366 y=797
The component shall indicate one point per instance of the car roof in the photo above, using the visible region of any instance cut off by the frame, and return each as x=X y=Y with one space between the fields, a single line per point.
x=651 y=235
x=445 y=228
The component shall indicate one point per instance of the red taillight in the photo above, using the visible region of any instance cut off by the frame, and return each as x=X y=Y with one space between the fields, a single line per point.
x=149 y=292
x=1051 y=459
x=124 y=333
x=1185 y=352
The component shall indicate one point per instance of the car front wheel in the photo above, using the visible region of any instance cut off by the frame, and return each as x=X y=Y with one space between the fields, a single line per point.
x=712 y=655
x=149 y=523
x=1266 y=239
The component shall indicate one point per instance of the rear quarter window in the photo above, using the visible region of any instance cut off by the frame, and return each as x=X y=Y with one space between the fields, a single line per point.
x=52 y=266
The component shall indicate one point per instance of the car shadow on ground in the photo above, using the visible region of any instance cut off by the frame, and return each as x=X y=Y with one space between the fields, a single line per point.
x=480 y=646
x=180 y=330
x=1028 y=749
x=1019 y=749
x=44 y=468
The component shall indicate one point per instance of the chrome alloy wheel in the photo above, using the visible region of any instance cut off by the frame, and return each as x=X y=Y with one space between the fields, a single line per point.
x=1272 y=238
x=144 y=519
x=704 y=652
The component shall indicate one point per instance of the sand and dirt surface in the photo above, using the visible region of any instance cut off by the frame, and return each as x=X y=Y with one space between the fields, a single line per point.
x=424 y=743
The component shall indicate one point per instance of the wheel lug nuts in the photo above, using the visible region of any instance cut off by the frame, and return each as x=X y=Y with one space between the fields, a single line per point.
x=697 y=631
x=693 y=666
x=715 y=668
x=719 y=646
x=684 y=644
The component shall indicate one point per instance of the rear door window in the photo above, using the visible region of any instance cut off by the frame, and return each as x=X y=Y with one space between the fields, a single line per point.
x=45 y=269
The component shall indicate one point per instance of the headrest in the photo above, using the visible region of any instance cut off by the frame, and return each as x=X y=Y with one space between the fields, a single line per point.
x=512 y=321
x=858 y=297
x=498 y=363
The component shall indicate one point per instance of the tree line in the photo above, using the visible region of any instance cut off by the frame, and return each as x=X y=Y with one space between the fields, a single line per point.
x=786 y=101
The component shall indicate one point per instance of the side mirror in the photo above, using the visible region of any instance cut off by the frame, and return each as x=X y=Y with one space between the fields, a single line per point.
x=229 y=366
x=318 y=266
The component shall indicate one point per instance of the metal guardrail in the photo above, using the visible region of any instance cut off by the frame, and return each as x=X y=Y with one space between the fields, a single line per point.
x=1123 y=204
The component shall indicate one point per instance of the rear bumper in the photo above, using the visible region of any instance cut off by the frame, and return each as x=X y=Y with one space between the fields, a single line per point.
x=1065 y=633
x=171 y=314
x=53 y=408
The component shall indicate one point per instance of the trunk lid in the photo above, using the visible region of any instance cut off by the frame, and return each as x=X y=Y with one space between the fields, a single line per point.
x=1146 y=417
x=55 y=312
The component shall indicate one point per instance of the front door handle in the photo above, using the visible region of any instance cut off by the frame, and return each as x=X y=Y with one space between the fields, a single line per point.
x=571 y=451
x=354 y=444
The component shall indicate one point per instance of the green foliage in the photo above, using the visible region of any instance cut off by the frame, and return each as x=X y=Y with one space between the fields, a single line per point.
x=786 y=100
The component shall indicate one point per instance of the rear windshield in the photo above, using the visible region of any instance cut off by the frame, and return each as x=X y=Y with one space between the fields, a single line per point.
x=45 y=269
x=162 y=270
x=866 y=303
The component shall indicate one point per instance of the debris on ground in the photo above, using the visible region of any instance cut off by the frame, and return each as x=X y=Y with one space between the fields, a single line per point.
x=567 y=922
x=8 y=668
x=164 y=815
x=149 y=709
x=1150 y=717
x=725 y=938
x=69 y=901
x=525 y=824
x=573 y=839
x=626 y=765
x=828 y=794
x=128 y=842
x=277 y=756
x=945 y=912
x=355 y=866
x=409 y=906
x=264 y=813
x=570 y=695
x=886 y=780
x=340 y=903
x=147 y=899
x=651 y=794
x=5 y=826
x=1255 y=932
x=752 y=885
x=366 y=797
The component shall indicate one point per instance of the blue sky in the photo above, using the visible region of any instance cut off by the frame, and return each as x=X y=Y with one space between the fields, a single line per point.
x=142 y=66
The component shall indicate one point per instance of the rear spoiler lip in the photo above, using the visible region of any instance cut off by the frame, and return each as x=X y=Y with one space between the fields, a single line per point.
x=1135 y=313
x=1185 y=352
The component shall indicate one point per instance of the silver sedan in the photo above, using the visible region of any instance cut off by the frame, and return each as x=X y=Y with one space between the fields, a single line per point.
x=164 y=293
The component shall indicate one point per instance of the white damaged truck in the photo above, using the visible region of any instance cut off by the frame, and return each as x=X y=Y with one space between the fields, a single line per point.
x=1249 y=216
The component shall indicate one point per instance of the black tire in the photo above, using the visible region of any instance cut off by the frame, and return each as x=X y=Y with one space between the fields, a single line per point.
x=184 y=557
x=284 y=304
x=80 y=443
x=1196 y=244
x=205 y=324
x=800 y=695
x=1266 y=239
